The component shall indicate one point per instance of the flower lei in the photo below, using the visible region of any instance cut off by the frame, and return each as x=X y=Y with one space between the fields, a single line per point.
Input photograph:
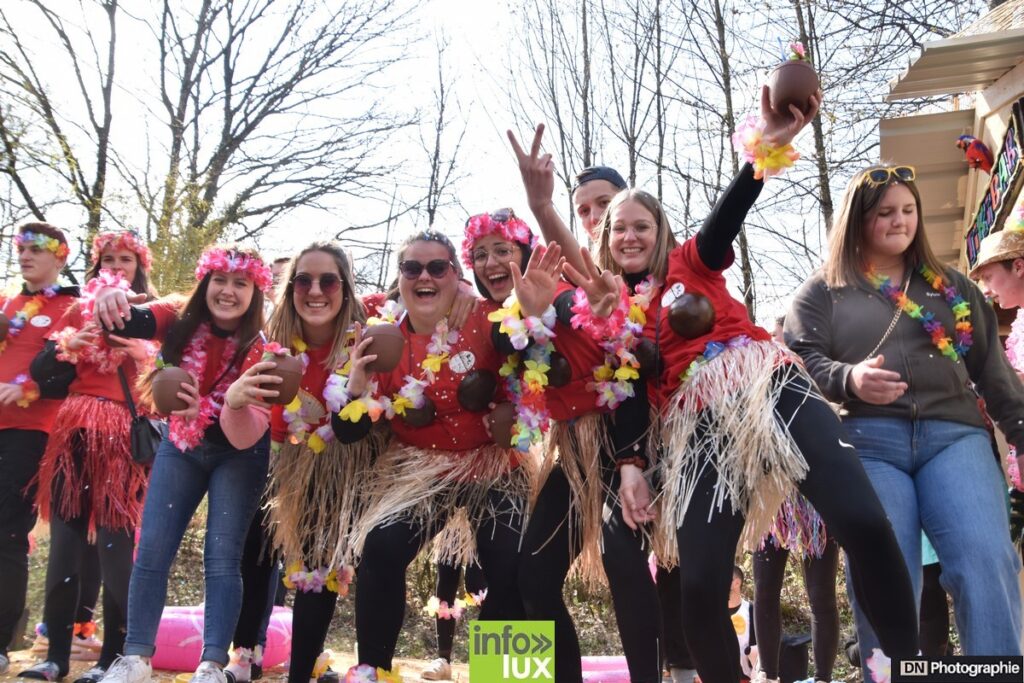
x=28 y=311
x=29 y=390
x=129 y=240
x=711 y=351
x=936 y=330
x=440 y=609
x=38 y=239
x=298 y=577
x=225 y=261
x=106 y=359
x=767 y=159
x=513 y=229
x=619 y=336
x=186 y=434
x=364 y=673
x=300 y=426
x=527 y=392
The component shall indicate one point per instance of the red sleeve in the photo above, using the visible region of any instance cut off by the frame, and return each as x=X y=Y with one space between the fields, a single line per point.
x=278 y=427
x=165 y=312
x=253 y=356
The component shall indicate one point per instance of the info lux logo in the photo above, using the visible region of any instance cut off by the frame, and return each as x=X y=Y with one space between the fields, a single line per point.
x=511 y=651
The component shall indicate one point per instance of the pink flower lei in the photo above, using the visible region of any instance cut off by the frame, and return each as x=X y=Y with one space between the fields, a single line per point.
x=503 y=223
x=106 y=359
x=186 y=434
x=129 y=240
x=225 y=261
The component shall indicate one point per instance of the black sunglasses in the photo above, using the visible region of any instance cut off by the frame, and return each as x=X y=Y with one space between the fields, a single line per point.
x=329 y=283
x=437 y=268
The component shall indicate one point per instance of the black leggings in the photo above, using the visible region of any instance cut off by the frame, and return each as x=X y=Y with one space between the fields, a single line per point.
x=258 y=571
x=545 y=562
x=840 y=491
x=311 y=618
x=387 y=553
x=448 y=576
x=68 y=548
x=820 y=584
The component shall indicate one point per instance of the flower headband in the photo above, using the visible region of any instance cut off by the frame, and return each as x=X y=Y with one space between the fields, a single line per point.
x=230 y=261
x=503 y=223
x=38 y=239
x=129 y=240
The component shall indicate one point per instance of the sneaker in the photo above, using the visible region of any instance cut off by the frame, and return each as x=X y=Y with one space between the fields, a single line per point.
x=5 y=664
x=43 y=671
x=208 y=672
x=437 y=670
x=239 y=670
x=93 y=675
x=129 y=669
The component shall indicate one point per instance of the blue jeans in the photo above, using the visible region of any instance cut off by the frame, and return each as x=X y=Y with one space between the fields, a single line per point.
x=942 y=477
x=235 y=481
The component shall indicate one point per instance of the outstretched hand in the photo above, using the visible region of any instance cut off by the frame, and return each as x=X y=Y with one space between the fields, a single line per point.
x=535 y=289
x=603 y=289
x=781 y=127
x=538 y=170
x=113 y=306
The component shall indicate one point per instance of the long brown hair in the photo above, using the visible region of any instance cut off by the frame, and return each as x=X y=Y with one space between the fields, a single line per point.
x=285 y=324
x=844 y=264
x=665 y=241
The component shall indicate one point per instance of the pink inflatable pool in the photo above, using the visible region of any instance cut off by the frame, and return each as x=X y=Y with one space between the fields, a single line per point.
x=605 y=670
x=179 y=640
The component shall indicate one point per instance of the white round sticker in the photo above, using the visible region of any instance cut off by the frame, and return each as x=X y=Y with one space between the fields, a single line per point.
x=673 y=293
x=40 y=321
x=462 y=362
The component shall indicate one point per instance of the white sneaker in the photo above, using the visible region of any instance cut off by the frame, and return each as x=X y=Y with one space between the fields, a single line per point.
x=437 y=670
x=240 y=668
x=208 y=672
x=129 y=669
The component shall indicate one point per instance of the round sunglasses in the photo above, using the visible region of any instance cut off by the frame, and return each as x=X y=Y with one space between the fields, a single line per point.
x=437 y=268
x=329 y=283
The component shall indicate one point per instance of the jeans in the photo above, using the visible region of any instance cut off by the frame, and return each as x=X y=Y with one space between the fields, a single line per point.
x=235 y=481
x=942 y=476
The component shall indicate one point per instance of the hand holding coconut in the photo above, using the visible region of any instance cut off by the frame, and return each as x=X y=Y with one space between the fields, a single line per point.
x=189 y=395
x=360 y=360
x=247 y=389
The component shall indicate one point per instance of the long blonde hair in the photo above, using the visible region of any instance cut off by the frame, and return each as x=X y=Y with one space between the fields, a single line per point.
x=286 y=325
x=665 y=241
x=844 y=264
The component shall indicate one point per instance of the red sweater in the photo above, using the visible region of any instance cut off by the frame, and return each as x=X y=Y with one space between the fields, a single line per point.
x=20 y=350
x=310 y=389
x=88 y=379
x=583 y=354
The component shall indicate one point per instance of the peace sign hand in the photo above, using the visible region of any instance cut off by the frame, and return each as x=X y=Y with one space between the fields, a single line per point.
x=538 y=171
x=535 y=289
x=603 y=289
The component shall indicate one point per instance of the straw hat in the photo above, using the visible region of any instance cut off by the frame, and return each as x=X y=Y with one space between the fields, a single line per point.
x=1004 y=245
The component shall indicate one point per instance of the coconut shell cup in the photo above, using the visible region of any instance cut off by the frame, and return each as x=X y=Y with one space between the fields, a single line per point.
x=166 y=385
x=387 y=345
x=792 y=82
x=691 y=316
x=650 y=360
x=420 y=417
x=5 y=326
x=560 y=373
x=289 y=369
x=476 y=390
x=501 y=420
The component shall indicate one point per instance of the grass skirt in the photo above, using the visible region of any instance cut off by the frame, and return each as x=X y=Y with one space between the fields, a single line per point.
x=724 y=417
x=89 y=451
x=427 y=488
x=314 y=499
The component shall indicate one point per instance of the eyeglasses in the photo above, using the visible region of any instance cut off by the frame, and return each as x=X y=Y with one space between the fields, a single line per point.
x=437 y=268
x=881 y=176
x=501 y=254
x=329 y=283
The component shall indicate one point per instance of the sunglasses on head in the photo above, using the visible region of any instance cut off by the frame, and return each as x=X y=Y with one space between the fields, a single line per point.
x=503 y=215
x=437 y=268
x=329 y=283
x=881 y=176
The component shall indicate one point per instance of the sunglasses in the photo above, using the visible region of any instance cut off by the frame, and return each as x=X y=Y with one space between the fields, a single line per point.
x=503 y=215
x=437 y=268
x=329 y=283
x=881 y=176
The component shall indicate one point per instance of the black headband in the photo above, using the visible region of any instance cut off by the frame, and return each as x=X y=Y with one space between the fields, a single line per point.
x=599 y=173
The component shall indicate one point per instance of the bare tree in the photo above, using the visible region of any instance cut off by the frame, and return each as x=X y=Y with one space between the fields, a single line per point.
x=442 y=163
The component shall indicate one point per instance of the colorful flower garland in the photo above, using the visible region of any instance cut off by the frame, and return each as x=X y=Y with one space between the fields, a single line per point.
x=364 y=673
x=298 y=577
x=711 y=351
x=618 y=335
x=512 y=229
x=527 y=391
x=186 y=434
x=767 y=159
x=225 y=261
x=29 y=390
x=935 y=329
x=440 y=609
x=28 y=311
x=38 y=239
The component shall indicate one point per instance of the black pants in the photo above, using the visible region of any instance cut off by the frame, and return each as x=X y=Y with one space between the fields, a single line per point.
x=20 y=453
x=311 y=618
x=387 y=553
x=259 y=569
x=675 y=654
x=838 y=488
x=820 y=583
x=88 y=586
x=448 y=576
x=545 y=562
x=934 y=614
